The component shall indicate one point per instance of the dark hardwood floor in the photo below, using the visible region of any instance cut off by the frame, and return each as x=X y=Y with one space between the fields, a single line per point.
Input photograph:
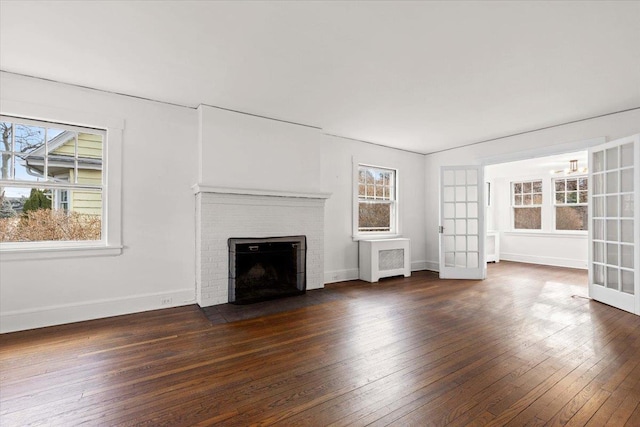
x=524 y=347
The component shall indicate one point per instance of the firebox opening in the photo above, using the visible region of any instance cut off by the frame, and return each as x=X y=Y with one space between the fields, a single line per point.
x=263 y=269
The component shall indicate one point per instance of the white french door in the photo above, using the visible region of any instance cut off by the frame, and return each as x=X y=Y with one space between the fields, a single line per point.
x=614 y=228
x=462 y=223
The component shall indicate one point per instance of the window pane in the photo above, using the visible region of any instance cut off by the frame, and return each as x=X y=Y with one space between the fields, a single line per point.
x=369 y=177
x=626 y=256
x=36 y=214
x=526 y=187
x=472 y=227
x=627 y=284
x=517 y=200
x=29 y=168
x=572 y=197
x=626 y=205
x=6 y=129
x=571 y=217
x=560 y=197
x=517 y=188
x=527 y=218
x=374 y=217
x=598 y=184
x=598 y=274
x=626 y=231
x=33 y=210
x=537 y=186
x=612 y=182
x=598 y=206
x=28 y=138
x=62 y=165
x=526 y=200
x=598 y=229
x=598 y=251
x=472 y=177
x=612 y=206
x=583 y=197
x=6 y=165
x=582 y=184
x=472 y=194
x=626 y=155
x=612 y=278
x=449 y=178
x=626 y=180
x=598 y=161
x=612 y=158
x=572 y=184
x=537 y=199
x=560 y=185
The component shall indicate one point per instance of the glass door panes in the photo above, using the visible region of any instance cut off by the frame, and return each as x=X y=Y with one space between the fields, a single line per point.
x=614 y=238
x=462 y=210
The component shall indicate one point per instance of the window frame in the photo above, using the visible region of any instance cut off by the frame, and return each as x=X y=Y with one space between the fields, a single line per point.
x=565 y=204
x=514 y=206
x=394 y=219
x=111 y=237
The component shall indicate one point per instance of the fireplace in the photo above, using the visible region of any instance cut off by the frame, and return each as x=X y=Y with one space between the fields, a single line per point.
x=266 y=268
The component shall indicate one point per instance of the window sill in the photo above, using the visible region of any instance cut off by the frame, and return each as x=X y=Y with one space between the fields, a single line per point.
x=535 y=233
x=21 y=254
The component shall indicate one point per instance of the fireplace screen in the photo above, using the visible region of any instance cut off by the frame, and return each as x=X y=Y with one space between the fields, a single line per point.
x=262 y=269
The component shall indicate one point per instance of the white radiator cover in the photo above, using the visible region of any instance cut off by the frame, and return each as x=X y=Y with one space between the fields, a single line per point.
x=384 y=258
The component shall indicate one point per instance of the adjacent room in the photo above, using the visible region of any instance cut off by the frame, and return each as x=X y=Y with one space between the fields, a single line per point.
x=319 y=213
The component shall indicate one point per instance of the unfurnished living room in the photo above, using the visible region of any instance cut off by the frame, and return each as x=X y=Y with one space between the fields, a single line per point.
x=321 y=213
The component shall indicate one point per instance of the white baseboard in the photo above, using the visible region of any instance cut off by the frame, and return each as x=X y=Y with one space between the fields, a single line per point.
x=419 y=265
x=341 y=275
x=432 y=266
x=354 y=273
x=553 y=261
x=20 y=320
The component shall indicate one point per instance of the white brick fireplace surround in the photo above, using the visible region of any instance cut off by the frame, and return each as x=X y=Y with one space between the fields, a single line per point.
x=222 y=213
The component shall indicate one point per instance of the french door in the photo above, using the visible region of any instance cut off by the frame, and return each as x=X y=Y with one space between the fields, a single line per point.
x=462 y=223
x=614 y=229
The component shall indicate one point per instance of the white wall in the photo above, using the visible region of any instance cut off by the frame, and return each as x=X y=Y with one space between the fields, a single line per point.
x=546 y=246
x=563 y=137
x=159 y=166
x=341 y=252
x=166 y=152
x=244 y=151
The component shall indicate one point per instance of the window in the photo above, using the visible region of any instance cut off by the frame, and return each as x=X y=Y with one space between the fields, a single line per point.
x=377 y=203
x=571 y=203
x=51 y=182
x=527 y=205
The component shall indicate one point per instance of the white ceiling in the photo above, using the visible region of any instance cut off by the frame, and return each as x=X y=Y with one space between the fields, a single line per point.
x=421 y=76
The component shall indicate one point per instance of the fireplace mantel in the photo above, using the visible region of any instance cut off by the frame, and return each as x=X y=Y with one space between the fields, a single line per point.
x=203 y=188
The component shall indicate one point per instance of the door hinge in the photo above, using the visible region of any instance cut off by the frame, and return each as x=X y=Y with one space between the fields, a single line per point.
x=440 y=229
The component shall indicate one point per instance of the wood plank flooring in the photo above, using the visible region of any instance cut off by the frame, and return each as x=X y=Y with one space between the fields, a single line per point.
x=523 y=348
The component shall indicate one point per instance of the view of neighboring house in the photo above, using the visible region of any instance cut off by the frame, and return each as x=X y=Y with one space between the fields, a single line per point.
x=74 y=158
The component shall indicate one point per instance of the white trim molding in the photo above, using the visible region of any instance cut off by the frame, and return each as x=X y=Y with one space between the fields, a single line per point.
x=203 y=188
x=18 y=320
x=111 y=243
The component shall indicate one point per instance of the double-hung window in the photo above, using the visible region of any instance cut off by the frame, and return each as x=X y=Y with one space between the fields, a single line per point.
x=376 y=200
x=526 y=202
x=571 y=203
x=51 y=183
